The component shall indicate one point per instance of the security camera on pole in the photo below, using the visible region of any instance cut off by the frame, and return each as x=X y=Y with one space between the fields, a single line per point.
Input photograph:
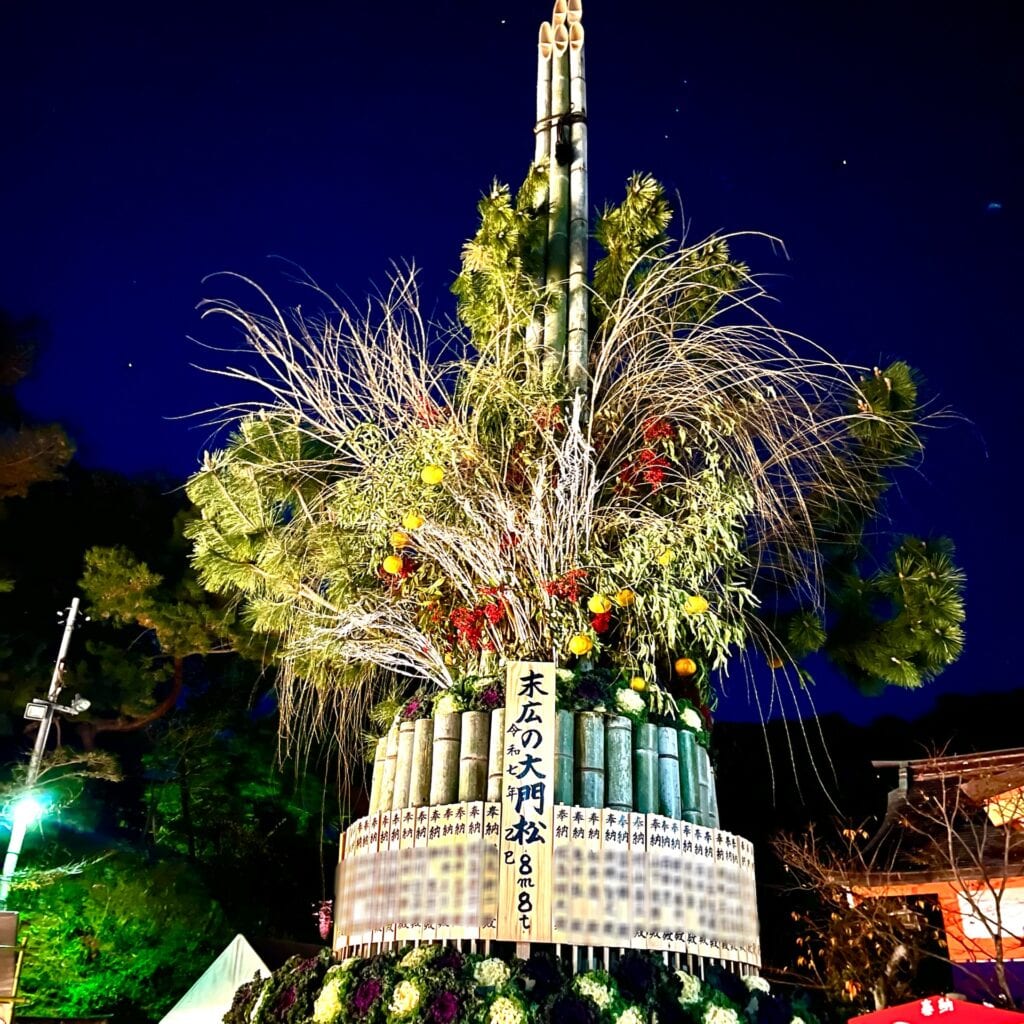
x=26 y=809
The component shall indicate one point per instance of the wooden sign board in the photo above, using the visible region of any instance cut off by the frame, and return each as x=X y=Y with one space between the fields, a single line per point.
x=527 y=804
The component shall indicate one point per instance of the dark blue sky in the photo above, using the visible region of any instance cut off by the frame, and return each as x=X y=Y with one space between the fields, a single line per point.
x=148 y=147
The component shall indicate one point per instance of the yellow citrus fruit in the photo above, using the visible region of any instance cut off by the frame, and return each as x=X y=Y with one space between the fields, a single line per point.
x=695 y=605
x=625 y=597
x=667 y=557
x=412 y=521
x=393 y=564
x=432 y=475
x=638 y=683
x=685 y=666
x=599 y=604
x=581 y=644
x=400 y=540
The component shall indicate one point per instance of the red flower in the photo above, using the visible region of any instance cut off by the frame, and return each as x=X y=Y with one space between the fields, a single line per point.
x=656 y=429
x=601 y=622
x=493 y=613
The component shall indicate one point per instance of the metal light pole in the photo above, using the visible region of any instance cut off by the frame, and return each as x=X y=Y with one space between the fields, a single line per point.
x=43 y=712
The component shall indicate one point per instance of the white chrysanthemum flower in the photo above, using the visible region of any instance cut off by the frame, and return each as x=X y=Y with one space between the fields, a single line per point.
x=797 y=1020
x=406 y=998
x=328 y=1004
x=348 y=963
x=689 y=988
x=594 y=989
x=692 y=720
x=755 y=983
x=631 y=1015
x=629 y=701
x=418 y=957
x=446 y=704
x=505 y=1011
x=720 y=1015
x=491 y=973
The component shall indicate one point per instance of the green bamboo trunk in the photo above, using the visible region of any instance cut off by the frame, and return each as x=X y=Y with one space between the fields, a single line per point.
x=565 y=734
x=618 y=761
x=476 y=727
x=387 y=785
x=589 y=759
x=403 y=764
x=704 y=785
x=444 y=773
x=380 y=752
x=496 y=755
x=645 y=760
x=713 y=819
x=690 y=796
x=422 y=750
x=668 y=772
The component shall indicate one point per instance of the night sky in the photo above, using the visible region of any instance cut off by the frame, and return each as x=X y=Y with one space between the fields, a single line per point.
x=149 y=146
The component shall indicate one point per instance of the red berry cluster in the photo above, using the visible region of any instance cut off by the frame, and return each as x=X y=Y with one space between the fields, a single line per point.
x=469 y=625
x=567 y=587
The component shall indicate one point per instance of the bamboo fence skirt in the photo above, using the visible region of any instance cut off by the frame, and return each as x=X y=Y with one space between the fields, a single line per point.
x=637 y=858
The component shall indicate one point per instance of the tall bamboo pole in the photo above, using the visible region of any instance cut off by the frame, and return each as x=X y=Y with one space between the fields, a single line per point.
x=541 y=151
x=578 y=204
x=558 y=203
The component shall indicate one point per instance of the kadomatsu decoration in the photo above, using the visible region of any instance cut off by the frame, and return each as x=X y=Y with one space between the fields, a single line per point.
x=629 y=470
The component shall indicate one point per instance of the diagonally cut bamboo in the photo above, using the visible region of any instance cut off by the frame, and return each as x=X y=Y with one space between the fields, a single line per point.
x=422 y=751
x=668 y=771
x=646 y=768
x=690 y=797
x=565 y=733
x=704 y=784
x=378 y=773
x=473 y=755
x=496 y=755
x=558 y=210
x=589 y=759
x=618 y=753
x=387 y=785
x=576 y=351
x=542 y=149
x=444 y=774
x=403 y=765
x=542 y=131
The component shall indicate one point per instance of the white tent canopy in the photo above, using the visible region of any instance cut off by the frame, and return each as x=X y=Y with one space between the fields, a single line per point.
x=210 y=997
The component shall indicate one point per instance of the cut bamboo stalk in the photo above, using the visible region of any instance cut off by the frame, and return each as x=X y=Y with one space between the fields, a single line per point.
x=422 y=749
x=589 y=759
x=713 y=819
x=542 y=150
x=378 y=774
x=703 y=784
x=473 y=755
x=689 y=794
x=558 y=212
x=573 y=12
x=668 y=772
x=645 y=761
x=576 y=348
x=564 y=757
x=618 y=760
x=542 y=131
x=560 y=13
x=496 y=756
x=444 y=770
x=387 y=785
x=403 y=765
